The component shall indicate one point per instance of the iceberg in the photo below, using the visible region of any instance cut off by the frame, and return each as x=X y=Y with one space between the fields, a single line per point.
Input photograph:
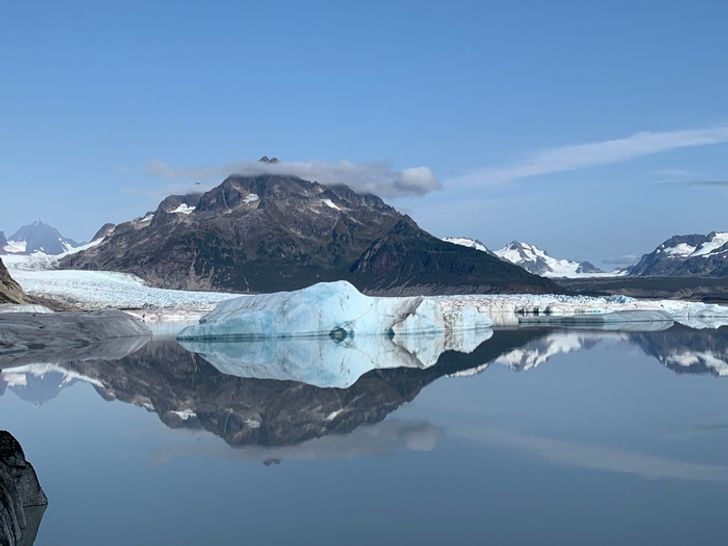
x=339 y=309
x=336 y=309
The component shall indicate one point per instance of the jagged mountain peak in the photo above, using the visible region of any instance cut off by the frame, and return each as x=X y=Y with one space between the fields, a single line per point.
x=531 y=258
x=38 y=236
x=540 y=262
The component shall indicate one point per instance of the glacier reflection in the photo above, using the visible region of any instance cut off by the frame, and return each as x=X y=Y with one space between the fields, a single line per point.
x=286 y=393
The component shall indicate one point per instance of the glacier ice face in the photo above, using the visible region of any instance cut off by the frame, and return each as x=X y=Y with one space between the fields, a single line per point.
x=324 y=362
x=514 y=309
x=324 y=308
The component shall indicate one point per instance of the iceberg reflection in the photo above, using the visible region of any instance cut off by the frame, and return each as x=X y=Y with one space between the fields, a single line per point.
x=325 y=362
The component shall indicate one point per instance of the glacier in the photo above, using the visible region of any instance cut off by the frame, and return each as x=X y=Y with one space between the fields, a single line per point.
x=98 y=290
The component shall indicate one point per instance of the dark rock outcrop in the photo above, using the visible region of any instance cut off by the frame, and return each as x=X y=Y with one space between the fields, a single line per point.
x=10 y=291
x=58 y=332
x=104 y=231
x=22 y=500
x=270 y=233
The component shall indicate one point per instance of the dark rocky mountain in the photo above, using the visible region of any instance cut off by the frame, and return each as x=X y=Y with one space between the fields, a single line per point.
x=687 y=256
x=22 y=500
x=40 y=237
x=268 y=233
x=10 y=291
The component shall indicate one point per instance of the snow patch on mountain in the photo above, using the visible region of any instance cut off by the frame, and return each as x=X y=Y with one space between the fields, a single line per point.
x=329 y=203
x=468 y=242
x=183 y=209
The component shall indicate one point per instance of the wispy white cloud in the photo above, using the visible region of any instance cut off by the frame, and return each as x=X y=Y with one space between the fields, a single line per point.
x=592 y=154
x=379 y=178
x=596 y=457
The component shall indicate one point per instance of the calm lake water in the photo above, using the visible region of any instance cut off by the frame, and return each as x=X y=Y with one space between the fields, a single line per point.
x=539 y=436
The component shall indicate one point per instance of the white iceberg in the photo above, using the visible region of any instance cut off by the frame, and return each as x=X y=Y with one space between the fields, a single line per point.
x=335 y=308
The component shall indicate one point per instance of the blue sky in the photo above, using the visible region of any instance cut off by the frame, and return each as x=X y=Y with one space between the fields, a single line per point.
x=588 y=128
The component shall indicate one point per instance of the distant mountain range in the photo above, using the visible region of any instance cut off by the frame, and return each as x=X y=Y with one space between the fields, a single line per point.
x=269 y=233
x=36 y=237
x=531 y=258
x=687 y=256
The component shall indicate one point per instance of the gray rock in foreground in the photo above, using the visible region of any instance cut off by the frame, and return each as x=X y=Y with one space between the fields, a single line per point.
x=60 y=331
x=22 y=500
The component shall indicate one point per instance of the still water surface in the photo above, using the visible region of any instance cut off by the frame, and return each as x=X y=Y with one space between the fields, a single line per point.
x=538 y=436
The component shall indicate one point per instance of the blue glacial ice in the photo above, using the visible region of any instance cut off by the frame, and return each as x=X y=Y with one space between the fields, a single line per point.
x=326 y=308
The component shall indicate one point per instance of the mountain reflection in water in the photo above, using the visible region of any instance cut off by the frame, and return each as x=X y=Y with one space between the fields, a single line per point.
x=187 y=391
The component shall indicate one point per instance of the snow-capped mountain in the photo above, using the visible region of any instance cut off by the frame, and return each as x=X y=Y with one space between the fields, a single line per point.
x=531 y=258
x=539 y=262
x=37 y=237
x=687 y=255
x=273 y=232
x=468 y=242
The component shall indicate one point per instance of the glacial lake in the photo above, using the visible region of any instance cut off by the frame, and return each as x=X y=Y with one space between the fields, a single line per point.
x=538 y=436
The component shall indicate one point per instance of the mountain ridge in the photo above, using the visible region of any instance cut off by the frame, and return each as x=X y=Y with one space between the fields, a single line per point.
x=687 y=256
